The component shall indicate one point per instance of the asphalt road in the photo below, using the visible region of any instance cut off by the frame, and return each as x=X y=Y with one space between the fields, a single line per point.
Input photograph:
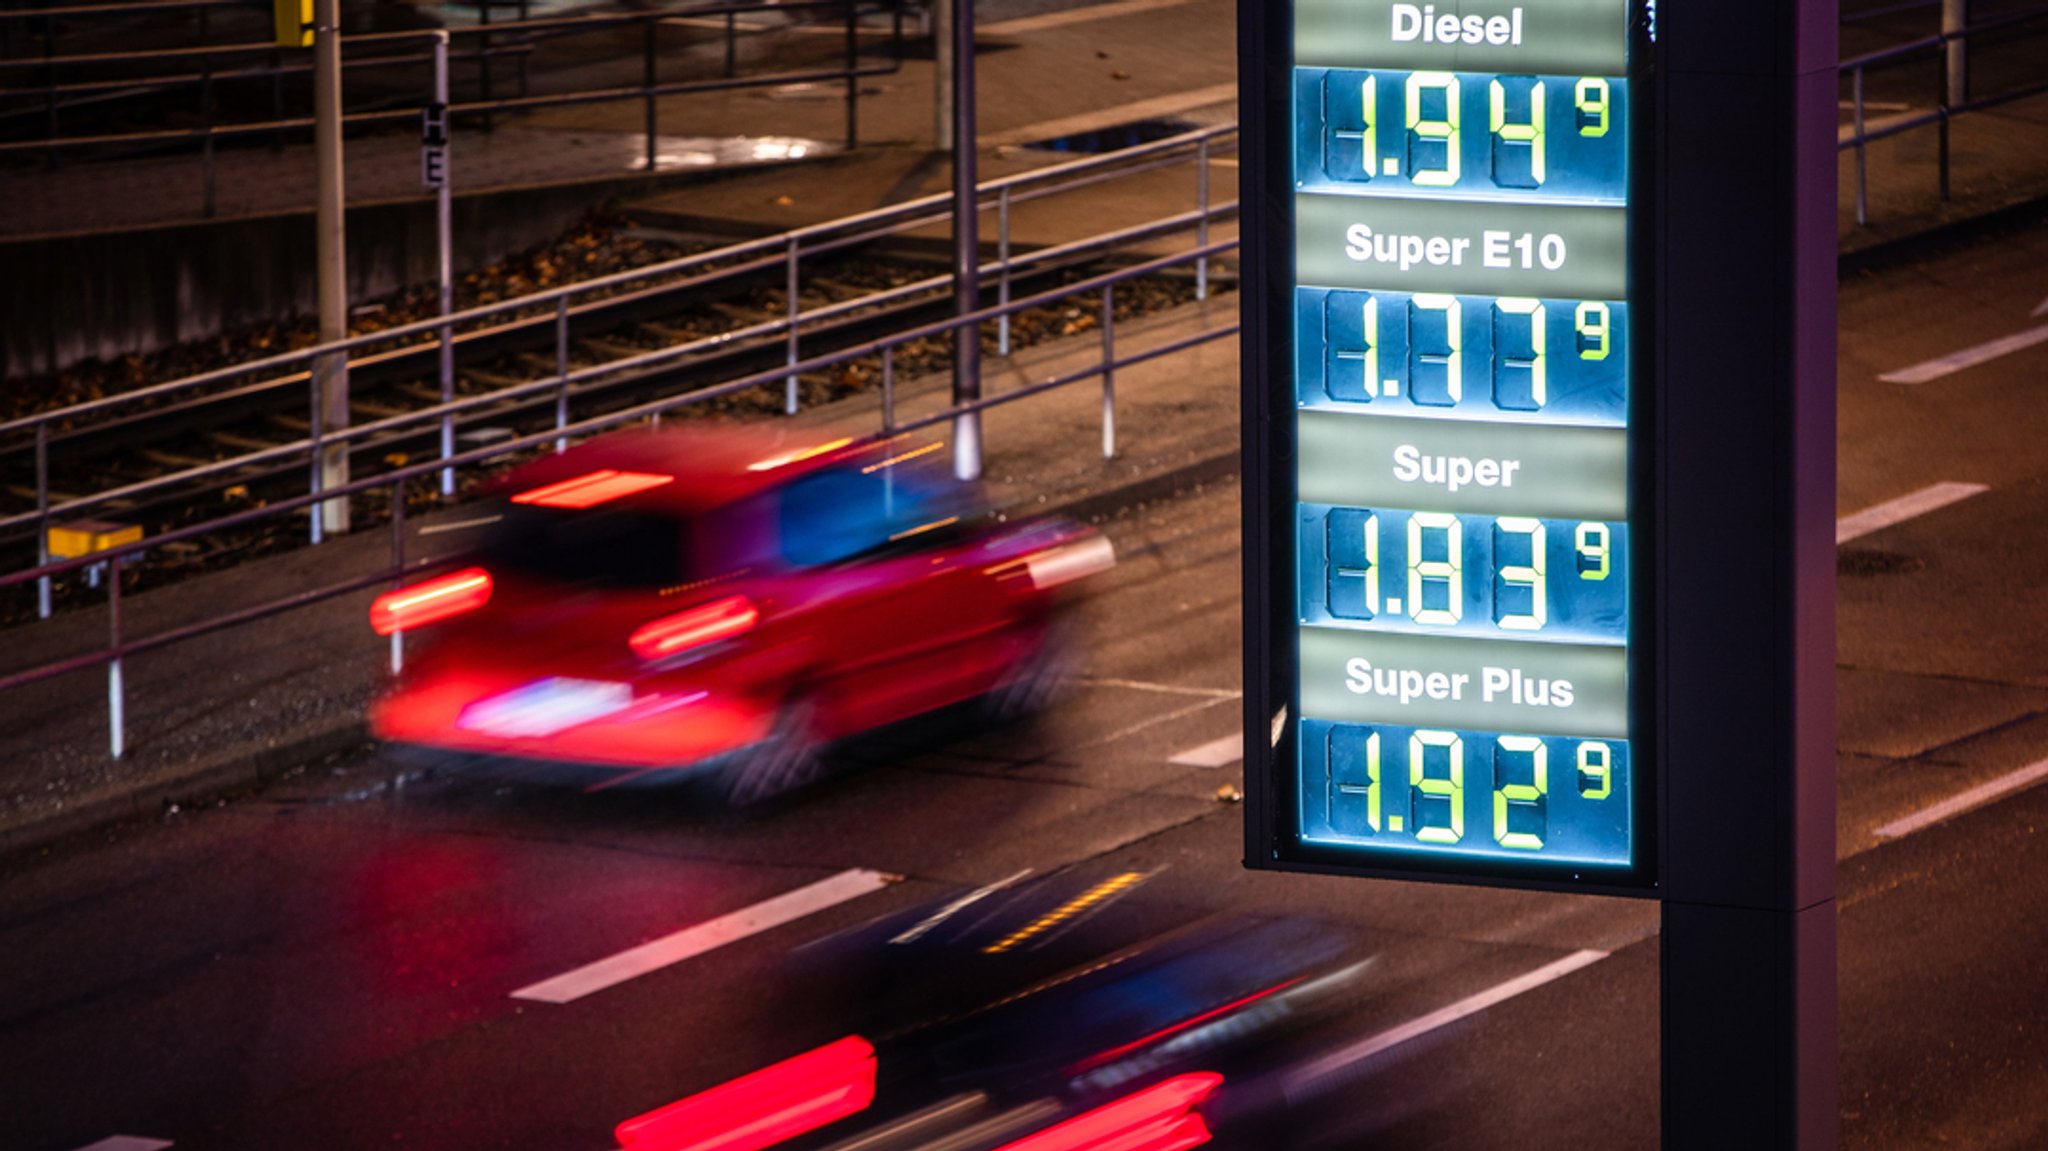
x=333 y=963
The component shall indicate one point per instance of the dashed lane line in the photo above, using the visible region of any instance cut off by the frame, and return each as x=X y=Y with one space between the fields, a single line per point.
x=1307 y=1079
x=1967 y=358
x=1884 y=515
x=1976 y=797
x=1215 y=753
x=707 y=936
x=127 y=1143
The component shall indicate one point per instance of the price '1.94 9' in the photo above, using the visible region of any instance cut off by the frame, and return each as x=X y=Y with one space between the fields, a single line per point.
x=1472 y=133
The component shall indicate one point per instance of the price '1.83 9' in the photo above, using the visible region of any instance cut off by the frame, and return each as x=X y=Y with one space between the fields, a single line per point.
x=1443 y=573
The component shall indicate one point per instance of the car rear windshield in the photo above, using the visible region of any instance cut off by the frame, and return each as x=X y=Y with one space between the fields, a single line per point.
x=605 y=548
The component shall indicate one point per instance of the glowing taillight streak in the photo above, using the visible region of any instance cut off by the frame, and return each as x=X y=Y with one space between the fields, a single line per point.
x=1160 y=1118
x=1118 y=1052
x=591 y=489
x=778 y=1102
x=430 y=602
x=671 y=634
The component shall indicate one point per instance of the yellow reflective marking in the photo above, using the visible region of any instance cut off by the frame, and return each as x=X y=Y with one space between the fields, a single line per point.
x=1107 y=889
x=892 y=461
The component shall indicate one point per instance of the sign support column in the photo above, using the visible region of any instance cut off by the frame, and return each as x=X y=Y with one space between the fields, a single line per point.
x=330 y=371
x=1747 y=443
x=966 y=248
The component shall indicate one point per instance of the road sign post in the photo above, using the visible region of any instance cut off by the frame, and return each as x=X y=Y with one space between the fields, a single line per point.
x=434 y=174
x=1538 y=396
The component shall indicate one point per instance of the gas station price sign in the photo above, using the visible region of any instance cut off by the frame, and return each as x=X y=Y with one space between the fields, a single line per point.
x=1449 y=372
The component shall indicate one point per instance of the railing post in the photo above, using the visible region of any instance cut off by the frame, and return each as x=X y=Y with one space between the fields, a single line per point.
x=647 y=86
x=1955 y=24
x=852 y=76
x=1862 y=187
x=1003 y=275
x=43 y=517
x=116 y=718
x=277 y=98
x=444 y=230
x=50 y=83
x=483 y=60
x=398 y=567
x=789 y=383
x=1202 y=226
x=1109 y=371
x=1941 y=131
x=313 y=430
x=731 y=44
x=207 y=208
x=561 y=370
x=888 y=388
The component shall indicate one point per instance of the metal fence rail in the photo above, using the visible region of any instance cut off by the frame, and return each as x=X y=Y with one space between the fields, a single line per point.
x=560 y=306
x=120 y=645
x=266 y=61
x=2009 y=28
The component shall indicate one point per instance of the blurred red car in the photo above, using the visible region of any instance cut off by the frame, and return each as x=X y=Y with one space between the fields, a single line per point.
x=724 y=601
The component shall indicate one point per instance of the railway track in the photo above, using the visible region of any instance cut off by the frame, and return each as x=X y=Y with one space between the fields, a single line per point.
x=732 y=322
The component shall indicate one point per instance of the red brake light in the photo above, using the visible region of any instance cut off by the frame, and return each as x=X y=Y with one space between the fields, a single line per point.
x=778 y=1102
x=591 y=489
x=1160 y=1118
x=720 y=619
x=430 y=602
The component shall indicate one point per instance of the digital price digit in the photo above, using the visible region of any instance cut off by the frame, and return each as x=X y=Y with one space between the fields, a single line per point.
x=1424 y=788
x=1596 y=770
x=1424 y=131
x=1446 y=574
x=1590 y=541
x=1512 y=577
x=1509 y=368
x=1591 y=321
x=1424 y=385
x=1508 y=135
x=1527 y=798
x=1589 y=95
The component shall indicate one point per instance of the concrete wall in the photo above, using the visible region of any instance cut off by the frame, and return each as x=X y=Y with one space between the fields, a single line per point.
x=67 y=299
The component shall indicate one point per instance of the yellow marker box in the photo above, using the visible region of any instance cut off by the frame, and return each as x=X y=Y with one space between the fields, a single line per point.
x=84 y=537
x=294 y=21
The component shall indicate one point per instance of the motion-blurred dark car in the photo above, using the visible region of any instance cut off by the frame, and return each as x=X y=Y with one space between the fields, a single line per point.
x=722 y=601
x=1061 y=1014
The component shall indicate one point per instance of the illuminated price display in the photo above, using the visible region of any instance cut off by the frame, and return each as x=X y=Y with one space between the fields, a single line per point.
x=1456 y=389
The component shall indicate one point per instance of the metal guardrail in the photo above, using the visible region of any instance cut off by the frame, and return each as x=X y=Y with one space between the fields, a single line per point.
x=489 y=43
x=999 y=196
x=1945 y=109
x=120 y=645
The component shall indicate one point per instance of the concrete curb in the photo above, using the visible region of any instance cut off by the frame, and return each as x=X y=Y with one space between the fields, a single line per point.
x=229 y=774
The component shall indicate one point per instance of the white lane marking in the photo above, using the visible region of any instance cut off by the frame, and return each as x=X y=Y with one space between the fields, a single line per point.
x=127 y=1143
x=1305 y=1077
x=1215 y=753
x=1930 y=498
x=918 y=931
x=1165 y=688
x=693 y=941
x=1970 y=800
x=1141 y=725
x=1074 y=16
x=2041 y=309
x=1968 y=357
